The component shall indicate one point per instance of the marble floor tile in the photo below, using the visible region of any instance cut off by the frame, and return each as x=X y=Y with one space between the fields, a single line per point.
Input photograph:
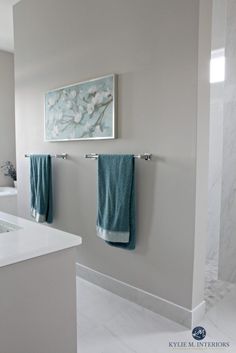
x=215 y=289
x=103 y=341
x=97 y=304
x=110 y=324
x=85 y=324
x=223 y=315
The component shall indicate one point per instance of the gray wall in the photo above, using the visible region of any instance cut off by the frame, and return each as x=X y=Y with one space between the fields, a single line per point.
x=7 y=115
x=227 y=254
x=153 y=46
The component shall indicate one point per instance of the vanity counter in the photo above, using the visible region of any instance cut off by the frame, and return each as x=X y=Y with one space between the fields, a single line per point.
x=31 y=240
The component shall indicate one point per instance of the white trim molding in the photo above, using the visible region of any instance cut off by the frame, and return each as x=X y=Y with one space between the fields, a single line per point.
x=168 y=309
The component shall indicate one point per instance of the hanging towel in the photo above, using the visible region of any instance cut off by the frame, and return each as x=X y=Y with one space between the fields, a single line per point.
x=41 y=188
x=116 y=201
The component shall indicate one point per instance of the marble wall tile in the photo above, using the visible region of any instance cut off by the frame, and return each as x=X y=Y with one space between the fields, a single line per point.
x=215 y=174
x=219 y=10
x=227 y=252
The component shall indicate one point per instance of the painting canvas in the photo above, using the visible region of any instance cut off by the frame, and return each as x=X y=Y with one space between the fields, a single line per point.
x=82 y=111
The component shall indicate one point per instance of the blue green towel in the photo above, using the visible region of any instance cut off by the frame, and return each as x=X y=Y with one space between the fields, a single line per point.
x=41 y=188
x=116 y=201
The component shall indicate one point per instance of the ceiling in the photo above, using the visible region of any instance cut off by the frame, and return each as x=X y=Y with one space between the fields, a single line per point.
x=6 y=25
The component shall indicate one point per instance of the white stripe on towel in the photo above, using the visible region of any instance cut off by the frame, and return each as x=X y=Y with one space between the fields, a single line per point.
x=37 y=216
x=115 y=237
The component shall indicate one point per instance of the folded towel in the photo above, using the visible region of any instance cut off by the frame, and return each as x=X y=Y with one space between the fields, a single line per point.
x=116 y=202
x=41 y=188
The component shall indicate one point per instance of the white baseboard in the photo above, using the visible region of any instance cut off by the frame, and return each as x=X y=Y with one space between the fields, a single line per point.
x=172 y=311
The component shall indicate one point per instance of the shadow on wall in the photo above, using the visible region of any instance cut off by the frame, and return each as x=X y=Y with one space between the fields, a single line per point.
x=145 y=198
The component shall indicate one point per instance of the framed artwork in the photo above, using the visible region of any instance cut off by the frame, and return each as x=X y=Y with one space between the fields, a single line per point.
x=82 y=111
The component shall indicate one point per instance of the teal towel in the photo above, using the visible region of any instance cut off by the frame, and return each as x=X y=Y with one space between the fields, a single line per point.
x=41 y=188
x=116 y=201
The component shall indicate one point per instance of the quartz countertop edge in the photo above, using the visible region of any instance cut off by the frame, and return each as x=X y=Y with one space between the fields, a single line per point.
x=31 y=240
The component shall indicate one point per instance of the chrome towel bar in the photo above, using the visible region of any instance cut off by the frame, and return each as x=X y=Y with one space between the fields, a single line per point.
x=59 y=156
x=145 y=156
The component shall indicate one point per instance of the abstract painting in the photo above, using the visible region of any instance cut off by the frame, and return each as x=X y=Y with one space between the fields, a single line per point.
x=82 y=111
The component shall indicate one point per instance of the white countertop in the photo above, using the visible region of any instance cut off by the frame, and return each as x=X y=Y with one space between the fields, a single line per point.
x=32 y=240
x=7 y=191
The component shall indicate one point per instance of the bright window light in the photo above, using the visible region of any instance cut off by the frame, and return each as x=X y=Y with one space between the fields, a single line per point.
x=217 y=66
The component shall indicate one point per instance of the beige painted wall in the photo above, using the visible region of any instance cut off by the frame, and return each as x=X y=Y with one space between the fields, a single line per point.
x=7 y=114
x=153 y=47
